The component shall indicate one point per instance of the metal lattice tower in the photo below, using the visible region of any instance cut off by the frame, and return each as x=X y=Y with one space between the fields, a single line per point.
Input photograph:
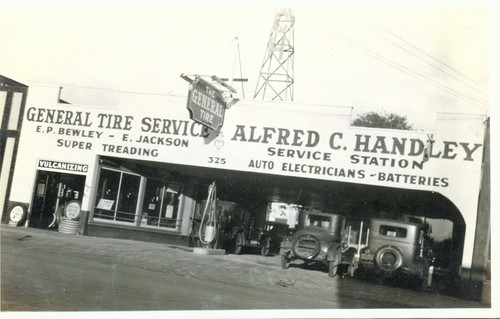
x=276 y=74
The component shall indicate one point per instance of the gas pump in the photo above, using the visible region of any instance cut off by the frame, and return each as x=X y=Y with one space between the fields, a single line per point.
x=209 y=227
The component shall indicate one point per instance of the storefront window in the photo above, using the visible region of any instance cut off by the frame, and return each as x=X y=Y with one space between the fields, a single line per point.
x=117 y=195
x=161 y=203
x=127 y=201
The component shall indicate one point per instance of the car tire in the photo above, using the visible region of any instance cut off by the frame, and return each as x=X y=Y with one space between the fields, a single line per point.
x=389 y=258
x=265 y=249
x=285 y=262
x=307 y=251
x=333 y=265
x=68 y=226
x=239 y=241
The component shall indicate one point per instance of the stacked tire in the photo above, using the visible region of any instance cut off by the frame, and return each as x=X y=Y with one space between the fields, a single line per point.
x=69 y=222
x=67 y=226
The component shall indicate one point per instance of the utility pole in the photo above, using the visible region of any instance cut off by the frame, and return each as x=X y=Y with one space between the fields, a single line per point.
x=275 y=80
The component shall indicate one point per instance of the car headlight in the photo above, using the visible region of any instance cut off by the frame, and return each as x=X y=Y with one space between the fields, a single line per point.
x=344 y=245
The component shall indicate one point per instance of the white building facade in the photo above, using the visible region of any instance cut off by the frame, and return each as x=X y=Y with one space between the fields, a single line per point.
x=143 y=165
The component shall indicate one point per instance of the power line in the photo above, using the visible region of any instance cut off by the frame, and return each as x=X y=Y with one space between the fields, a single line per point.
x=427 y=55
x=406 y=70
x=48 y=84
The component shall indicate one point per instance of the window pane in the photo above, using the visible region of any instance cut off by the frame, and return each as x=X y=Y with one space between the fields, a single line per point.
x=170 y=207
x=161 y=204
x=392 y=231
x=152 y=202
x=107 y=191
x=127 y=201
x=318 y=221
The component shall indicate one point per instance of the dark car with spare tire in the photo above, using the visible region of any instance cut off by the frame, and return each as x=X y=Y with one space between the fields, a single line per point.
x=397 y=247
x=318 y=239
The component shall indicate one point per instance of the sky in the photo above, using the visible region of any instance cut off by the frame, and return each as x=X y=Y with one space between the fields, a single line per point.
x=409 y=58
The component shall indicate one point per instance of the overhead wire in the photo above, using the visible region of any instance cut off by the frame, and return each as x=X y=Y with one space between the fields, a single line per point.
x=427 y=55
x=405 y=69
x=168 y=93
x=356 y=46
x=49 y=84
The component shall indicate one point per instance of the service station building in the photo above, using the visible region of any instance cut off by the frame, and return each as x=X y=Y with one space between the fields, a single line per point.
x=141 y=167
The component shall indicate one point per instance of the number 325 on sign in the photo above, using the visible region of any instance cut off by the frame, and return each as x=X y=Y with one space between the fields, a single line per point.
x=216 y=160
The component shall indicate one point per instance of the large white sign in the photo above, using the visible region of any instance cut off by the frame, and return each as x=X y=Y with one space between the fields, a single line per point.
x=312 y=149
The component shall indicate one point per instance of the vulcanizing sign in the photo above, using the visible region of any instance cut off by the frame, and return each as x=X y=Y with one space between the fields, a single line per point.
x=72 y=167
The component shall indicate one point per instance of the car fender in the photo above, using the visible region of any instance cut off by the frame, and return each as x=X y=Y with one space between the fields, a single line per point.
x=286 y=245
x=330 y=255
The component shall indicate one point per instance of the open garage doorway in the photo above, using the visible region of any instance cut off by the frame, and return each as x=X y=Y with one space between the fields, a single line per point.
x=52 y=190
x=356 y=202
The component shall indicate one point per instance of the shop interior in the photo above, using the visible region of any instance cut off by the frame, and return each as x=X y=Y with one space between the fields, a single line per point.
x=355 y=201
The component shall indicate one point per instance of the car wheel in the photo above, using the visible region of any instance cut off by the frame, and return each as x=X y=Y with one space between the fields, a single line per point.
x=285 y=262
x=266 y=246
x=334 y=264
x=239 y=241
x=306 y=247
x=389 y=258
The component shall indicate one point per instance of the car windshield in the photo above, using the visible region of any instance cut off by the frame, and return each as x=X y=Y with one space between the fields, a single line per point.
x=318 y=221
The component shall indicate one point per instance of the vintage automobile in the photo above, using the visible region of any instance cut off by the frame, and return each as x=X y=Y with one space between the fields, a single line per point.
x=238 y=228
x=318 y=238
x=242 y=229
x=266 y=238
x=397 y=246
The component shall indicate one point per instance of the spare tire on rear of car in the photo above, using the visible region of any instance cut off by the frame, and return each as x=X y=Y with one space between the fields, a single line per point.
x=306 y=247
x=389 y=258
